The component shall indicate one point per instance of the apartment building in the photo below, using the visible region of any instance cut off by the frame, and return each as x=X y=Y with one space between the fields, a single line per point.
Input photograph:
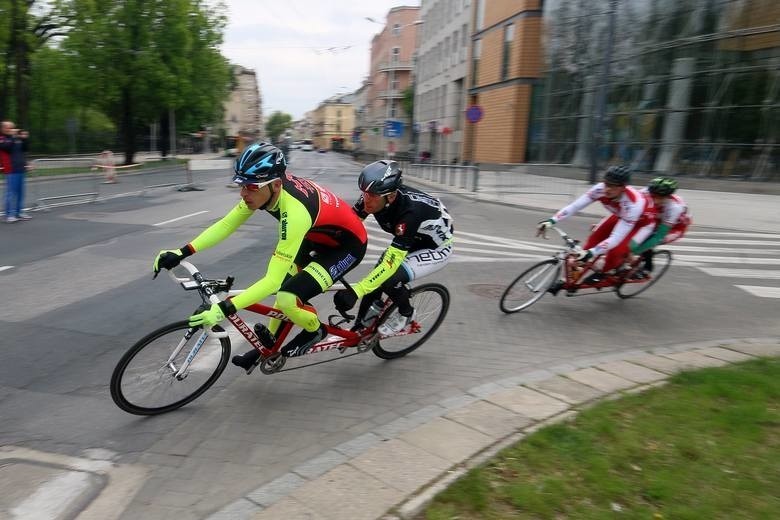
x=440 y=78
x=505 y=64
x=243 y=114
x=388 y=126
x=333 y=122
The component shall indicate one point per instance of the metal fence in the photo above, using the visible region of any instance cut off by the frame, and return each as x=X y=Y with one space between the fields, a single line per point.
x=463 y=177
x=85 y=181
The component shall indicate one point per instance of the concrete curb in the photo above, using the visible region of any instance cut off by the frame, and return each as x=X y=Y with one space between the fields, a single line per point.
x=394 y=471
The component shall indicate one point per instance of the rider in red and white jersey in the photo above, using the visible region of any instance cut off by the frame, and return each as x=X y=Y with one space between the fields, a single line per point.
x=631 y=214
x=672 y=222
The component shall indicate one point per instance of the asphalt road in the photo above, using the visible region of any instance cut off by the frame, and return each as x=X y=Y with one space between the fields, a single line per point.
x=78 y=291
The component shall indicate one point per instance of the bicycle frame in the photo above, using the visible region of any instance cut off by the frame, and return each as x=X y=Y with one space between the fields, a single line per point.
x=574 y=273
x=337 y=337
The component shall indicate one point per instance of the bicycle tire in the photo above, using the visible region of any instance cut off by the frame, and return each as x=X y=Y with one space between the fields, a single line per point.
x=130 y=404
x=537 y=293
x=423 y=315
x=622 y=289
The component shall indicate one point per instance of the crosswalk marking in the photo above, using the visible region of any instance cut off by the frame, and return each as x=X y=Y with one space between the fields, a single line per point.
x=6 y=267
x=762 y=274
x=761 y=292
x=722 y=254
x=730 y=234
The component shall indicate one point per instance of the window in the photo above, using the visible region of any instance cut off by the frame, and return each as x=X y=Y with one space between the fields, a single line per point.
x=447 y=52
x=396 y=29
x=475 y=55
x=395 y=53
x=393 y=108
x=509 y=36
x=464 y=34
x=394 y=84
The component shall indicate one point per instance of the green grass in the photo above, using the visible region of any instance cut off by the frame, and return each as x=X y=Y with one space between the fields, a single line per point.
x=47 y=172
x=704 y=446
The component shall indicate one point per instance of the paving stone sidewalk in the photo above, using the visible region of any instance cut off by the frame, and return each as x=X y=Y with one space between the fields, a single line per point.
x=393 y=472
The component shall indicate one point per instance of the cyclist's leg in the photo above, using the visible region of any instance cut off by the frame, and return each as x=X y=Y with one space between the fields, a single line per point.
x=416 y=265
x=316 y=277
x=601 y=232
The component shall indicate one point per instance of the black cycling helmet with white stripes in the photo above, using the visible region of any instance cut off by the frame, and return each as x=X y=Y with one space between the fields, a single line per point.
x=380 y=177
x=259 y=164
x=618 y=175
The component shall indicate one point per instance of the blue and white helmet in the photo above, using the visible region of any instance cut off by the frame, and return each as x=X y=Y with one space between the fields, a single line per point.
x=259 y=164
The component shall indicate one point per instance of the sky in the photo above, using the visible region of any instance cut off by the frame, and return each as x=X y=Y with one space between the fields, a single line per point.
x=304 y=51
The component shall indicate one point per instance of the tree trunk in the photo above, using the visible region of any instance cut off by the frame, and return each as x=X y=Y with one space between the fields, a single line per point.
x=165 y=125
x=128 y=124
x=5 y=94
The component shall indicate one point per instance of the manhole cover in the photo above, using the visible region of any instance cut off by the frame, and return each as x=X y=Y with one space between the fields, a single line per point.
x=487 y=290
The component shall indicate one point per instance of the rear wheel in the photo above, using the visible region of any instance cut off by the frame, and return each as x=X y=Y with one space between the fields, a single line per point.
x=530 y=286
x=431 y=302
x=661 y=261
x=143 y=383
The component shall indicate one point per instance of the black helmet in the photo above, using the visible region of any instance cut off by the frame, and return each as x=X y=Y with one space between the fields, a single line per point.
x=617 y=175
x=380 y=177
x=259 y=164
x=662 y=186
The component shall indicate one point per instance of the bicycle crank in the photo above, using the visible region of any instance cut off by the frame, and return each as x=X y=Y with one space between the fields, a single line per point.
x=272 y=364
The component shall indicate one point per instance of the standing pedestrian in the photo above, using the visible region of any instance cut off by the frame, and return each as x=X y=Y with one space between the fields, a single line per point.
x=13 y=147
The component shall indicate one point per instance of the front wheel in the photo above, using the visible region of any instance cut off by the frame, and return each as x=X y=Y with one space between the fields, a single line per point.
x=530 y=286
x=661 y=261
x=145 y=383
x=431 y=302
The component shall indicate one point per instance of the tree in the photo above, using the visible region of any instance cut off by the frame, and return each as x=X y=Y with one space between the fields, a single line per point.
x=139 y=59
x=277 y=124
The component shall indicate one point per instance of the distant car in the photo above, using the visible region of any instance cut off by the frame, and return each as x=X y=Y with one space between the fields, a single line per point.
x=307 y=145
x=322 y=150
x=231 y=152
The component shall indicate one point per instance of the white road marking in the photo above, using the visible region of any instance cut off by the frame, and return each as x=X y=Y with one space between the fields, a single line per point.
x=180 y=218
x=761 y=292
x=705 y=249
x=723 y=242
x=731 y=260
x=53 y=496
x=762 y=274
x=6 y=267
x=730 y=234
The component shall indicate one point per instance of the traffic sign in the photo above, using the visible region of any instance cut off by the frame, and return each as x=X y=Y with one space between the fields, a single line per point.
x=474 y=113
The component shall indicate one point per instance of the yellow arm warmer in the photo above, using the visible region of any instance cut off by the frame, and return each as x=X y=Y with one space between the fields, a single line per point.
x=221 y=229
x=294 y=223
x=388 y=264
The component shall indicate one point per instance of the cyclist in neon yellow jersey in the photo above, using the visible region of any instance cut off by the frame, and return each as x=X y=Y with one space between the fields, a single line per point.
x=320 y=240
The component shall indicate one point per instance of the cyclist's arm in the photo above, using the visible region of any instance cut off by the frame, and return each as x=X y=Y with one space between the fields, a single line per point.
x=575 y=207
x=388 y=264
x=656 y=238
x=221 y=229
x=629 y=218
x=294 y=222
x=392 y=258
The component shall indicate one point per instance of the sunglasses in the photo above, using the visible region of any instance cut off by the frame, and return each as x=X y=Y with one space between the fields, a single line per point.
x=611 y=185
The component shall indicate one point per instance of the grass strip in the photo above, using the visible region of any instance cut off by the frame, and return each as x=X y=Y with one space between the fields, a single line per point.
x=704 y=446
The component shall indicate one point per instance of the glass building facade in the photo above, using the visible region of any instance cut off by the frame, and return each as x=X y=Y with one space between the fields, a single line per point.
x=693 y=86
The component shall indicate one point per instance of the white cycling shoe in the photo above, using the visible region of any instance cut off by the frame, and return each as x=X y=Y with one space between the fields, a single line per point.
x=396 y=323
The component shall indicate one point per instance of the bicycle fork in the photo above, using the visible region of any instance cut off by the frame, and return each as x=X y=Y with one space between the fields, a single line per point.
x=181 y=372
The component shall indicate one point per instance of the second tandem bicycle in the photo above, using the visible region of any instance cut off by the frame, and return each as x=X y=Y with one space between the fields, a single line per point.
x=175 y=364
x=571 y=276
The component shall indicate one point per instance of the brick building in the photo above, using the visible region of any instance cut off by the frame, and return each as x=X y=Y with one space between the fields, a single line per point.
x=506 y=61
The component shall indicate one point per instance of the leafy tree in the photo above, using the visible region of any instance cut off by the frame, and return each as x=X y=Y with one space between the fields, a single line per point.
x=277 y=124
x=139 y=59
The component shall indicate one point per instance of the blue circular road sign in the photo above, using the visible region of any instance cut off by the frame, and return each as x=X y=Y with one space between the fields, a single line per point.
x=474 y=113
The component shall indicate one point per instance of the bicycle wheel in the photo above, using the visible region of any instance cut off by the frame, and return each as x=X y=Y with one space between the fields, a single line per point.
x=431 y=302
x=142 y=382
x=530 y=286
x=661 y=261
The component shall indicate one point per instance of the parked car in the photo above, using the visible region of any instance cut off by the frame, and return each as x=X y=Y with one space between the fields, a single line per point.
x=307 y=145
